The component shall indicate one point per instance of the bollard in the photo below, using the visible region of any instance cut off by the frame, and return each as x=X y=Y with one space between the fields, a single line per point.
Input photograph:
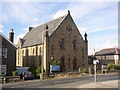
x=89 y=70
x=4 y=80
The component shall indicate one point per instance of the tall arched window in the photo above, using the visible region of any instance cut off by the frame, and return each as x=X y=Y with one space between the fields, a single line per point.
x=62 y=42
x=74 y=44
x=52 y=51
x=62 y=63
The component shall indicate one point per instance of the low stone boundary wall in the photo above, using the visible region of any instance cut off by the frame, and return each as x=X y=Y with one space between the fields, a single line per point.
x=8 y=79
x=63 y=75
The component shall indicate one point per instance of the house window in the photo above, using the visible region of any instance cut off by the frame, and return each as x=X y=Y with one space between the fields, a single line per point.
x=0 y=52
x=74 y=44
x=62 y=42
x=105 y=57
x=4 y=53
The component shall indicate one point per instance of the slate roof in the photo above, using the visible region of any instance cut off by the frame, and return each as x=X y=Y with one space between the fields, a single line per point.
x=108 y=51
x=1 y=35
x=34 y=36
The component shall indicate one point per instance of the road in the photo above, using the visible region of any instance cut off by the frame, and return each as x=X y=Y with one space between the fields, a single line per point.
x=73 y=82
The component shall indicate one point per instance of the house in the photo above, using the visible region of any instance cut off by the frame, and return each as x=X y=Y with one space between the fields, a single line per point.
x=108 y=55
x=58 y=40
x=7 y=54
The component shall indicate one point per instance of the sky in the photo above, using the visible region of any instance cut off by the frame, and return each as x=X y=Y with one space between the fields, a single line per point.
x=99 y=19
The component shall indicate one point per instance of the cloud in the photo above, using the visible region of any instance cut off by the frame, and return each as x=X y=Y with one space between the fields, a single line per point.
x=114 y=27
x=19 y=36
x=60 y=1
x=102 y=41
x=82 y=30
x=25 y=13
x=98 y=46
x=59 y=13
x=25 y=29
x=1 y=28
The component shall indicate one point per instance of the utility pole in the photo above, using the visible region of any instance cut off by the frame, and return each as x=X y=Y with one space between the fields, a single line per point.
x=42 y=61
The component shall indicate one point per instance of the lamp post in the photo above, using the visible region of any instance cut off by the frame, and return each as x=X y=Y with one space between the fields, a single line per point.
x=95 y=62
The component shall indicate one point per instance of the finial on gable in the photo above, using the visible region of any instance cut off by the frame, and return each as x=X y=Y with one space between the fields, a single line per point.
x=69 y=12
x=47 y=27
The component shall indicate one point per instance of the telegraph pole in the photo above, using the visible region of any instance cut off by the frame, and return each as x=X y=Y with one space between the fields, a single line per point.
x=42 y=61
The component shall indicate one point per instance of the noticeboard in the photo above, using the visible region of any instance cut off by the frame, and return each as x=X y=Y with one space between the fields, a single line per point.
x=54 y=68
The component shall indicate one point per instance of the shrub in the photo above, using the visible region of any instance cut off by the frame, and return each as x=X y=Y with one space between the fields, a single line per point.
x=84 y=70
x=112 y=67
x=38 y=71
x=117 y=67
x=15 y=73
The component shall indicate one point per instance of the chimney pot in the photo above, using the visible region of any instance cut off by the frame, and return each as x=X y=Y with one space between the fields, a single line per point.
x=11 y=35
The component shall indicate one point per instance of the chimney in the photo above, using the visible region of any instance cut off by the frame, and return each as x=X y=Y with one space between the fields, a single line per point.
x=11 y=35
x=30 y=28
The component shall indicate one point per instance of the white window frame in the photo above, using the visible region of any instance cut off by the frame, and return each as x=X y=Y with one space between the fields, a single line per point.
x=4 y=53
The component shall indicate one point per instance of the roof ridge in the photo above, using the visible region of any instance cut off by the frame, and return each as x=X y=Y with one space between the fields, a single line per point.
x=108 y=48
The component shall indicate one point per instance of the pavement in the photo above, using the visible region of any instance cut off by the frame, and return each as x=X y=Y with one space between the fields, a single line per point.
x=105 y=84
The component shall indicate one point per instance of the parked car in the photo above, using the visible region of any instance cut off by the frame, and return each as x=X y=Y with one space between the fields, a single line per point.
x=26 y=76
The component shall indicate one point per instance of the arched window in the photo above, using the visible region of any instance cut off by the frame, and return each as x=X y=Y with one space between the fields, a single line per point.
x=69 y=62
x=74 y=44
x=62 y=42
x=74 y=63
x=62 y=63
x=52 y=51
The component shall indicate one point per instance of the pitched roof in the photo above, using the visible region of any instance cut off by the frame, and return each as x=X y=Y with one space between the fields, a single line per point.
x=34 y=36
x=1 y=35
x=108 y=51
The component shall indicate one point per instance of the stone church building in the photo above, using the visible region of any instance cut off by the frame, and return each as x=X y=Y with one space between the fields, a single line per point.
x=58 y=40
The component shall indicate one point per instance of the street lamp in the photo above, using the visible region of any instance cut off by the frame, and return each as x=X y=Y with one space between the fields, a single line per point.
x=95 y=62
